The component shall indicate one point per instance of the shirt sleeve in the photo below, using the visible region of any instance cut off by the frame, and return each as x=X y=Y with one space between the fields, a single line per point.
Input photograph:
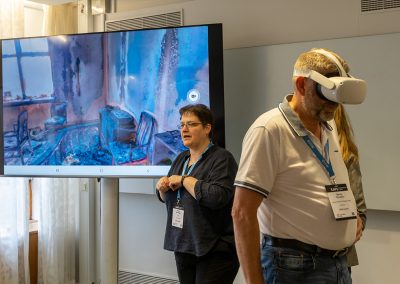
x=259 y=161
x=217 y=190
x=355 y=178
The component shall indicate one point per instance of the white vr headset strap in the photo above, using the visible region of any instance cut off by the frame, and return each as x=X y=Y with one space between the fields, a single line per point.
x=317 y=77
x=334 y=59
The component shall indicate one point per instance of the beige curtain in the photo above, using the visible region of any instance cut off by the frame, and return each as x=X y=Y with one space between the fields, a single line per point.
x=61 y=19
x=56 y=206
x=11 y=18
x=57 y=199
x=14 y=268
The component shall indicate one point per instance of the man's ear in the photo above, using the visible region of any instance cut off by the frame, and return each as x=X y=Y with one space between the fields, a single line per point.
x=300 y=85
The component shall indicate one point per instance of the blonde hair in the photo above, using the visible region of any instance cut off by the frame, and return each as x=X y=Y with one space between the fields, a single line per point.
x=346 y=135
x=312 y=60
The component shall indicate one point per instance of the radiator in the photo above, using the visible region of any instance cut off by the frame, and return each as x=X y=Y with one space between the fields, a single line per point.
x=126 y=277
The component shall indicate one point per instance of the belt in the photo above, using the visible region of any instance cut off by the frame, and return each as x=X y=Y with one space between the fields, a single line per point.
x=298 y=245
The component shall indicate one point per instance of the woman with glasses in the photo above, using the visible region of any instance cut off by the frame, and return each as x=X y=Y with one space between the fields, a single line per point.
x=198 y=193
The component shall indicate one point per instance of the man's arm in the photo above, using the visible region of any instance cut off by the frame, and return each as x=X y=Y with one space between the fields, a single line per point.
x=247 y=233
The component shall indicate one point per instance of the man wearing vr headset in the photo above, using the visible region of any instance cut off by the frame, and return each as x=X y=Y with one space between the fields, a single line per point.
x=292 y=184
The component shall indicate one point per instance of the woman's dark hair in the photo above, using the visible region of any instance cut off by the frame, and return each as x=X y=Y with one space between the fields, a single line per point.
x=202 y=112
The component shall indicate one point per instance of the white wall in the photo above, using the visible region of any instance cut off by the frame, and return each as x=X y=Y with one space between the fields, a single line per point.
x=264 y=22
x=142 y=220
x=33 y=24
x=379 y=249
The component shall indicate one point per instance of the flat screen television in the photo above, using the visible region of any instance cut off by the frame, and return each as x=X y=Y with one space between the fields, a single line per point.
x=106 y=104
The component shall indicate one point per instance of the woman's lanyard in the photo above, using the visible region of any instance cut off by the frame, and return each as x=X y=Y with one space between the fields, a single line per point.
x=178 y=195
x=326 y=164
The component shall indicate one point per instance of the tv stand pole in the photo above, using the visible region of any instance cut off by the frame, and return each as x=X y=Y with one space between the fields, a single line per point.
x=109 y=209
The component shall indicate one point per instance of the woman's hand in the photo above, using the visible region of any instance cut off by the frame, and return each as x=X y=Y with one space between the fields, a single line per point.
x=163 y=184
x=175 y=182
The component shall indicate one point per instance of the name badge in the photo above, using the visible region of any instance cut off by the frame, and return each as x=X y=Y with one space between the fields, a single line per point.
x=342 y=201
x=177 y=217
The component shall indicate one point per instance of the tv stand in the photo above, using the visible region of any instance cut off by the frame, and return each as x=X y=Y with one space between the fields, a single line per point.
x=109 y=207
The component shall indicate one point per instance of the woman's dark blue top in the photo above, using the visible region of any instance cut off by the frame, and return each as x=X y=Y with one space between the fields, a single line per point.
x=207 y=218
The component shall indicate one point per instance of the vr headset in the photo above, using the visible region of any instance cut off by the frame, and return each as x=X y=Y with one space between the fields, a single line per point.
x=343 y=89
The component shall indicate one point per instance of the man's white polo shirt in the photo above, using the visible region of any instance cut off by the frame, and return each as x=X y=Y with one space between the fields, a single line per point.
x=277 y=163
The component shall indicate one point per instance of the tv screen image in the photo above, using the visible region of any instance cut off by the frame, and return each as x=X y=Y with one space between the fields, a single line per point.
x=106 y=104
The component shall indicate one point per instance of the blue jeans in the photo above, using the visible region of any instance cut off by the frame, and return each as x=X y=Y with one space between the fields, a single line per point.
x=286 y=266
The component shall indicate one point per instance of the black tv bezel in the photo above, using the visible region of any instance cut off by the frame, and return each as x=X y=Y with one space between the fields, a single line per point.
x=216 y=93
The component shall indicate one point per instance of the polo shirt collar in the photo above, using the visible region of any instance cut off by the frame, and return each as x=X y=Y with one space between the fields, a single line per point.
x=293 y=119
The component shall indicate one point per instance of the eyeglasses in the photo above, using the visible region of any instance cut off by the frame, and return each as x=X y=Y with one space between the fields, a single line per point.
x=189 y=124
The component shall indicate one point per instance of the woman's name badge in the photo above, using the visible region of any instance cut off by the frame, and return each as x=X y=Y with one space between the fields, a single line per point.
x=342 y=201
x=177 y=217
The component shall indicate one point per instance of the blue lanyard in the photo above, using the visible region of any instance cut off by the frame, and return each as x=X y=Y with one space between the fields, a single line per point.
x=178 y=195
x=327 y=165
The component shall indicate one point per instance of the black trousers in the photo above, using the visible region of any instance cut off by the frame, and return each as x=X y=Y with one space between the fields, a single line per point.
x=219 y=266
